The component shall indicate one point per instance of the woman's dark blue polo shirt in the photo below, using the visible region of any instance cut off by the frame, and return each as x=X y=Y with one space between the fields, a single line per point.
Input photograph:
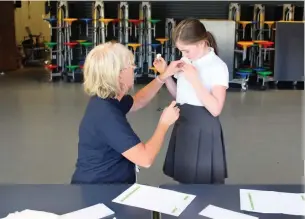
x=104 y=134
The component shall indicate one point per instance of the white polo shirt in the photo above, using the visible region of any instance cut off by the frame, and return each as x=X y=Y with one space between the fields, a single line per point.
x=212 y=70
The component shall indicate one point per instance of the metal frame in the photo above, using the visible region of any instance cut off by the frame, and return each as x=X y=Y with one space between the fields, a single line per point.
x=170 y=49
x=234 y=15
x=259 y=16
x=62 y=12
x=98 y=27
x=123 y=15
x=288 y=12
x=234 y=12
x=145 y=38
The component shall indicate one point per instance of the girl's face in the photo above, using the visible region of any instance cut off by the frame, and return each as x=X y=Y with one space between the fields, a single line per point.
x=191 y=51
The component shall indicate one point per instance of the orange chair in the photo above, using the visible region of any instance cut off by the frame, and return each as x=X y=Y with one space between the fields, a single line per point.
x=162 y=41
x=245 y=45
x=244 y=24
x=134 y=46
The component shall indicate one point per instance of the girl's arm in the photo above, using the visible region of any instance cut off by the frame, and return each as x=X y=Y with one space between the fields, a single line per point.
x=166 y=73
x=212 y=100
x=171 y=86
x=146 y=94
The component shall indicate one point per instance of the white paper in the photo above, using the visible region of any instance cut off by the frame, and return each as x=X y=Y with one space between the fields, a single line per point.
x=93 y=212
x=31 y=214
x=215 y=212
x=272 y=202
x=155 y=199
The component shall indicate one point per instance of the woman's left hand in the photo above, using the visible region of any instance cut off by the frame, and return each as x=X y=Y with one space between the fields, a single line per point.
x=190 y=72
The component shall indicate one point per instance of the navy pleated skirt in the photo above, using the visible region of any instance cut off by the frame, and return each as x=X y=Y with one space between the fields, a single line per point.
x=196 y=152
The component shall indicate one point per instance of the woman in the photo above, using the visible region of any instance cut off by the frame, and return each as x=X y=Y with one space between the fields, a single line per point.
x=108 y=148
x=196 y=152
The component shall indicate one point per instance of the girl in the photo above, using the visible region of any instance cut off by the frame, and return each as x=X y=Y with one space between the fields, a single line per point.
x=196 y=152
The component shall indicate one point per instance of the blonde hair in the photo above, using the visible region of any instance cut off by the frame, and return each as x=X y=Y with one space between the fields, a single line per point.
x=102 y=69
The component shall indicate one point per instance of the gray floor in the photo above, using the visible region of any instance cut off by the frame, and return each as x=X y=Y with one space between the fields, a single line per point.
x=39 y=123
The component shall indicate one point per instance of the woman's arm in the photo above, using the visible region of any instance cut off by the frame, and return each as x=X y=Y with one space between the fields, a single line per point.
x=144 y=154
x=166 y=73
x=146 y=94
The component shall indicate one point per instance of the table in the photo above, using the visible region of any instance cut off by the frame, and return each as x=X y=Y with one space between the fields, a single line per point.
x=61 y=199
x=225 y=196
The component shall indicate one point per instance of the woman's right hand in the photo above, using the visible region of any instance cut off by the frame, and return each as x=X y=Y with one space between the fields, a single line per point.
x=173 y=68
x=170 y=114
x=160 y=65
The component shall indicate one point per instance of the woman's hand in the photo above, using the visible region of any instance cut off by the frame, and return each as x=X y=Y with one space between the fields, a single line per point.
x=174 y=67
x=170 y=115
x=160 y=65
x=190 y=73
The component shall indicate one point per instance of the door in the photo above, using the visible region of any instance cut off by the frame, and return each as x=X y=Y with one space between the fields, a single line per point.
x=8 y=49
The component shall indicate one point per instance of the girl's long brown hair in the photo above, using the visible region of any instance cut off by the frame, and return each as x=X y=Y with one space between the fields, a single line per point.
x=191 y=31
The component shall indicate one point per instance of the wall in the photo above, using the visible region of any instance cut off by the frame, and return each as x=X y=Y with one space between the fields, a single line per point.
x=31 y=14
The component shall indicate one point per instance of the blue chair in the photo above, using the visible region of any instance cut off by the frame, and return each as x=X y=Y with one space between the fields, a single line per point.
x=86 y=20
x=155 y=45
x=244 y=75
x=50 y=20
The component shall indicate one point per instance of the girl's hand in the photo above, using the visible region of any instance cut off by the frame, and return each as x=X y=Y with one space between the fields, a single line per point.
x=190 y=72
x=160 y=65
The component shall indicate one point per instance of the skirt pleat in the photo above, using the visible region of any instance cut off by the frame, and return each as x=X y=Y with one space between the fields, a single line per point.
x=196 y=151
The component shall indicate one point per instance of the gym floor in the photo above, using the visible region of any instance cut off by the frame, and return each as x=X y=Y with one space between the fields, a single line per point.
x=39 y=132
